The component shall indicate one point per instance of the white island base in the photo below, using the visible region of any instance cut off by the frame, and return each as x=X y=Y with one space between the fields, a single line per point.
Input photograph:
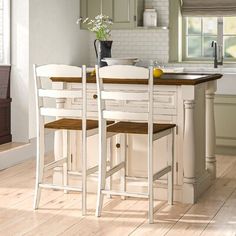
x=190 y=107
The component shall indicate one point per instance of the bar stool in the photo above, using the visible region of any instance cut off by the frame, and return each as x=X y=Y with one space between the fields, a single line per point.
x=67 y=119
x=134 y=122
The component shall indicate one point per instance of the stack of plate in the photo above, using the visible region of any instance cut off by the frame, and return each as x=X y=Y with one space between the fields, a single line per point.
x=120 y=61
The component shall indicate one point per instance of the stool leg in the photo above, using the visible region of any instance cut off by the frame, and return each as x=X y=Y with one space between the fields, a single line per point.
x=39 y=166
x=66 y=153
x=110 y=156
x=170 y=176
x=150 y=178
x=101 y=167
x=123 y=159
x=84 y=172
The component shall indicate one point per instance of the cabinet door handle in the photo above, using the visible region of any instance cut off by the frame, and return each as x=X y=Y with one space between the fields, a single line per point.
x=95 y=96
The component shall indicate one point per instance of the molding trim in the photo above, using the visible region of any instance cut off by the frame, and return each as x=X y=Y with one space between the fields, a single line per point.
x=22 y=153
x=225 y=99
x=224 y=150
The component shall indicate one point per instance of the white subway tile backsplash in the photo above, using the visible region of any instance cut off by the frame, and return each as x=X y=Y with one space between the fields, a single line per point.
x=146 y=44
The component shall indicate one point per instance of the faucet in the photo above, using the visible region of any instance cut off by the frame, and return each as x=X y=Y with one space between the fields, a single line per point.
x=216 y=62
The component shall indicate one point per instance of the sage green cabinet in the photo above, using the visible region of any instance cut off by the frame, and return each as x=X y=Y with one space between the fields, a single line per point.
x=125 y=14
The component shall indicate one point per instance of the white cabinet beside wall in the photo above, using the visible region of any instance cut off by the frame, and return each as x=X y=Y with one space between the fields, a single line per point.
x=225 y=116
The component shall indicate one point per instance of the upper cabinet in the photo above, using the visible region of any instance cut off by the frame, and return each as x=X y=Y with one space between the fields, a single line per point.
x=125 y=14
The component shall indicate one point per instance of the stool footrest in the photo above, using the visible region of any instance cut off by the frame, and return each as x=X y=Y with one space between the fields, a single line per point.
x=126 y=194
x=59 y=187
x=161 y=172
x=55 y=164
x=90 y=171
x=115 y=169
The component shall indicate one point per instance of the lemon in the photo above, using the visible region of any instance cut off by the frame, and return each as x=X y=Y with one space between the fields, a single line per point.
x=93 y=72
x=157 y=72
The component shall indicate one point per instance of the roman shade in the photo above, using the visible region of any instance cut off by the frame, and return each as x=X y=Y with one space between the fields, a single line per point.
x=208 y=7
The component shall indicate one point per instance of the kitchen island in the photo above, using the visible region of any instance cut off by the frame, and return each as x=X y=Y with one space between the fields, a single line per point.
x=184 y=99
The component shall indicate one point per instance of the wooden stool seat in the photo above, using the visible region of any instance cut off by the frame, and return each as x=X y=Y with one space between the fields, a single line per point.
x=137 y=128
x=72 y=124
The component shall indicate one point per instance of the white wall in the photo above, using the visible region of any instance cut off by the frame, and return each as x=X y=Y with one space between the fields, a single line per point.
x=54 y=38
x=42 y=32
x=20 y=70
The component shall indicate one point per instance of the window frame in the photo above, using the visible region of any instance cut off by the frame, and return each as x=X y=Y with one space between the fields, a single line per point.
x=220 y=41
x=6 y=46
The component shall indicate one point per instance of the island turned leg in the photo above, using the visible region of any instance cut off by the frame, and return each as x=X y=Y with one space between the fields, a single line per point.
x=189 y=154
x=210 y=130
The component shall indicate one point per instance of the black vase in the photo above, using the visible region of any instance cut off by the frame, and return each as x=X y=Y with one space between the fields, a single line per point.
x=103 y=50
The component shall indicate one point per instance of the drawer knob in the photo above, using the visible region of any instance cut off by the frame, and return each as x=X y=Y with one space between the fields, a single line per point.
x=117 y=145
x=95 y=96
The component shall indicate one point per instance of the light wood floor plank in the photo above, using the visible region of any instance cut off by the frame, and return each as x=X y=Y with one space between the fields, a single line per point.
x=11 y=145
x=70 y=220
x=51 y=204
x=223 y=163
x=21 y=217
x=130 y=219
x=164 y=219
x=200 y=215
x=195 y=219
x=92 y=225
x=60 y=214
x=17 y=170
x=224 y=223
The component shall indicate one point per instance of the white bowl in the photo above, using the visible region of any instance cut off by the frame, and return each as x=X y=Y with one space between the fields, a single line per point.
x=120 y=61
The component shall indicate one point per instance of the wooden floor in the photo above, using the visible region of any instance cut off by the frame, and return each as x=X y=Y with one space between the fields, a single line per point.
x=10 y=146
x=60 y=214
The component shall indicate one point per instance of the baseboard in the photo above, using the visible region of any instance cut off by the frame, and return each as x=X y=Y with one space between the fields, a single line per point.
x=226 y=150
x=23 y=152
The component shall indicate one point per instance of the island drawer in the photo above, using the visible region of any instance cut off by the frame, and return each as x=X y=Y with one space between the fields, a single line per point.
x=164 y=103
x=92 y=101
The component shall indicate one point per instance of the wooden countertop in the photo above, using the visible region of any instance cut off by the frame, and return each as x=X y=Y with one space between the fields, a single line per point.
x=165 y=79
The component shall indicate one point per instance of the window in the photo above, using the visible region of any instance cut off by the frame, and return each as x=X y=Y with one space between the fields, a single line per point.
x=199 y=32
x=4 y=31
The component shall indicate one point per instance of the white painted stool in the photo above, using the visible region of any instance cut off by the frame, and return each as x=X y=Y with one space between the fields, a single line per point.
x=130 y=123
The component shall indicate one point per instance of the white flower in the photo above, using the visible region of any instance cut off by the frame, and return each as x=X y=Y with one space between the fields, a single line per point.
x=100 y=25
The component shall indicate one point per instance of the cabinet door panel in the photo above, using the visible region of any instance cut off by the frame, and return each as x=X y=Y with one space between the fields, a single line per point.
x=90 y=8
x=123 y=13
x=107 y=8
x=93 y=8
